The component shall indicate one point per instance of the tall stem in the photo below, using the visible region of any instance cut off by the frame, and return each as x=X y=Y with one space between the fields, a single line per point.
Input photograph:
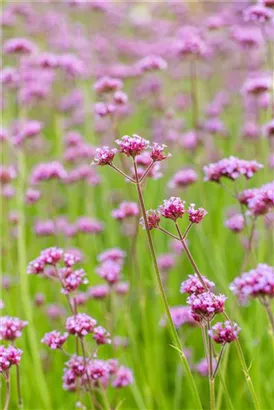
x=163 y=295
x=191 y=260
x=7 y=399
x=24 y=285
x=212 y=393
x=193 y=81
x=18 y=387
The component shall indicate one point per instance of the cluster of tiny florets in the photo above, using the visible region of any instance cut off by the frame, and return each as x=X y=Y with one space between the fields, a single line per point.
x=225 y=332
x=193 y=285
x=231 y=168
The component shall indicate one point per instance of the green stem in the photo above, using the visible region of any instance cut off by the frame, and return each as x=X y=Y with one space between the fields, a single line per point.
x=212 y=393
x=7 y=399
x=24 y=285
x=163 y=296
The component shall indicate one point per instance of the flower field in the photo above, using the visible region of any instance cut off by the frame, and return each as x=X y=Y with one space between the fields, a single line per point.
x=137 y=205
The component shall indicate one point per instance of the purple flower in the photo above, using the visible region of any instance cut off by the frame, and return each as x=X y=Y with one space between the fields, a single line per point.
x=80 y=324
x=153 y=219
x=152 y=63
x=157 y=153
x=204 y=306
x=231 y=168
x=172 y=208
x=107 y=84
x=9 y=356
x=19 y=46
x=104 y=155
x=98 y=291
x=11 y=327
x=196 y=215
x=132 y=146
x=194 y=285
x=180 y=316
x=183 y=178
x=125 y=210
x=225 y=332
x=113 y=254
x=110 y=271
x=123 y=377
x=101 y=335
x=258 y=13
x=54 y=339
x=235 y=223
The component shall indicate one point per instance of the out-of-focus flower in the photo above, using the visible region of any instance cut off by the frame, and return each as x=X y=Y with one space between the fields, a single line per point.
x=54 y=339
x=225 y=332
x=194 y=285
x=80 y=324
x=11 y=327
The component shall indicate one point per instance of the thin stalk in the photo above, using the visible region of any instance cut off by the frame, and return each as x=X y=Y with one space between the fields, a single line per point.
x=163 y=295
x=146 y=171
x=7 y=399
x=193 y=82
x=122 y=173
x=219 y=361
x=191 y=260
x=246 y=371
x=212 y=393
x=85 y=362
x=19 y=396
x=269 y=313
x=24 y=285
x=168 y=233
x=106 y=403
x=205 y=344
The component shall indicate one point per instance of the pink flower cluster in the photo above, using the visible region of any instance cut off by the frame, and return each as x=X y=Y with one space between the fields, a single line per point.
x=54 y=339
x=257 y=283
x=172 y=208
x=204 y=306
x=7 y=174
x=126 y=210
x=235 y=223
x=132 y=146
x=259 y=201
x=193 y=285
x=11 y=328
x=225 y=332
x=113 y=254
x=80 y=324
x=9 y=356
x=231 y=168
x=183 y=178
x=104 y=155
x=180 y=316
x=47 y=171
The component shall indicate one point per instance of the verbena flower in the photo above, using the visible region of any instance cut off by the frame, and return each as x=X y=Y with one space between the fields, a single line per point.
x=54 y=339
x=123 y=377
x=225 y=332
x=11 y=327
x=9 y=356
x=104 y=155
x=235 y=223
x=183 y=178
x=80 y=324
x=195 y=216
x=153 y=219
x=132 y=146
x=101 y=336
x=194 y=285
x=231 y=168
x=172 y=208
x=204 y=306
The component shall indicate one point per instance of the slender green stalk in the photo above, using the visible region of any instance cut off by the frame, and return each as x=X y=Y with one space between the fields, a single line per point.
x=7 y=399
x=24 y=285
x=212 y=393
x=163 y=296
x=19 y=396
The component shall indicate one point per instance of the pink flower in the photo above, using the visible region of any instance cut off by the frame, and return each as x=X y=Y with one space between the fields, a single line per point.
x=47 y=171
x=203 y=368
x=101 y=336
x=107 y=84
x=256 y=283
x=153 y=219
x=11 y=327
x=54 y=339
x=231 y=168
x=51 y=256
x=235 y=223
x=110 y=271
x=113 y=254
x=157 y=153
x=104 y=109
x=32 y=196
x=80 y=324
x=7 y=174
x=152 y=63
x=172 y=208
x=70 y=259
x=89 y=225
x=196 y=215
x=132 y=146
x=19 y=46
x=180 y=316
x=120 y=98
x=258 y=13
x=125 y=210
x=166 y=262
x=225 y=332
x=204 y=306
x=268 y=129
x=194 y=285
x=9 y=356
x=123 y=377
x=183 y=178
x=77 y=365
x=71 y=279
x=104 y=156
x=121 y=288
x=98 y=291
x=97 y=369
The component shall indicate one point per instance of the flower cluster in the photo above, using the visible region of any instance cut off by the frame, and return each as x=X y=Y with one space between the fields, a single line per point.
x=126 y=210
x=11 y=328
x=183 y=178
x=54 y=339
x=204 y=306
x=257 y=283
x=80 y=324
x=132 y=146
x=231 y=168
x=193 y=285
x=180 y=316
x=225 y=332
x=9 y=356
x=235 y=223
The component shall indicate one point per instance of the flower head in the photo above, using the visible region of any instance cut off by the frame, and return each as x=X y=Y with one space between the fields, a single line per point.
x=101 y=335
x=231 y=168
x=80 y=324
x=204 y=306
x=123 y=377
x=104 y=155
x=11 y=327
x=9 y=356
x=153 y=219
x=172 y=208
x=54 y=339
x=235 y=223
x=132 y=146
x=157 y=153
x=196 y=215
x=194 y=285
x=225 y=332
